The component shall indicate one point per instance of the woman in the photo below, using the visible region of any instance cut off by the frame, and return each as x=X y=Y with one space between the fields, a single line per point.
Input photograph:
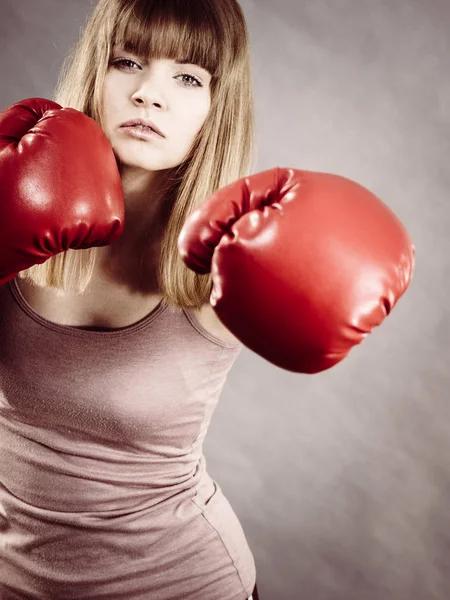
x=112 y=360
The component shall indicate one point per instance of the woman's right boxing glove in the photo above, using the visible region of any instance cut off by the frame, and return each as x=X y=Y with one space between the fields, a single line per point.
x=60 y=186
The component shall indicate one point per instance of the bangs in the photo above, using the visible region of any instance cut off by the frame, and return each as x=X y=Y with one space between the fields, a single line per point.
x=183 y=31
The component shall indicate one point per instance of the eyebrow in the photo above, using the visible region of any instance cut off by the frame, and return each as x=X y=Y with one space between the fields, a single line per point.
x=189 y=62
x=185 y=61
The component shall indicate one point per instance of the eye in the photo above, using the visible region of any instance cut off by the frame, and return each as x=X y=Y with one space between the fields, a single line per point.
x=195 y=82
x=126 y=64
x=121 y=62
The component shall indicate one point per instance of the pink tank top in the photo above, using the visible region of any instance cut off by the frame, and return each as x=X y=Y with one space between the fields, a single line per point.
x=104 y=492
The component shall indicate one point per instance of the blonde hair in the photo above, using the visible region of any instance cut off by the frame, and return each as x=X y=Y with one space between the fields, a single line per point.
x=211 y=33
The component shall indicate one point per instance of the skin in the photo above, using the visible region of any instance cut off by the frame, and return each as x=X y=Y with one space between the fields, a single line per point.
x=177 y=98
x=125 y=274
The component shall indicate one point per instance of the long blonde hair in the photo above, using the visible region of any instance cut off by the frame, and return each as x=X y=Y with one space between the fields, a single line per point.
x=211 y=33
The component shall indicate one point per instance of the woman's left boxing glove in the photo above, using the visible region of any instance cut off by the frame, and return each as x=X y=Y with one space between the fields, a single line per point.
x=304 y=265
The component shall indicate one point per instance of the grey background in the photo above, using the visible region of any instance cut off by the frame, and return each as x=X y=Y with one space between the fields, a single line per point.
x=341 y=480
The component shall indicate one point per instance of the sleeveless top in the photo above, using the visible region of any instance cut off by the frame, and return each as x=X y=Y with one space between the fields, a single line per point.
x=104 y=492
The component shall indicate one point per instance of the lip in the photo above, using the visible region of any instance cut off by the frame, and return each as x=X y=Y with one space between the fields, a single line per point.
x=146 y=122
x=141 y=134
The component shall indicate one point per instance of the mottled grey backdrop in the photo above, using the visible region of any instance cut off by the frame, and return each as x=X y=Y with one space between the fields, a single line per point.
x=341 y=480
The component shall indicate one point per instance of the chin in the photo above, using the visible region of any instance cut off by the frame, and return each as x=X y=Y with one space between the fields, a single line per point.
x=131 y=161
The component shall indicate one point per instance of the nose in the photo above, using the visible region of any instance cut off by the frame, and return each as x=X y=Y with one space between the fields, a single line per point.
x=141 y=100
x=149 y=93
x=151 y=90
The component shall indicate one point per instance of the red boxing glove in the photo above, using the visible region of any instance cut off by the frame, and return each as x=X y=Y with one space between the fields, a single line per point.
x=304 y=265
x=60 y=186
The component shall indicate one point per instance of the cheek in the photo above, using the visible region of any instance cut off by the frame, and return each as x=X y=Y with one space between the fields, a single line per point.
x=111 y=89
x=107 y=99
x=197 y=115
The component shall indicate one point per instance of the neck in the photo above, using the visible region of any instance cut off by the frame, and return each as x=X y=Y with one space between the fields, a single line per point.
x=133 y=260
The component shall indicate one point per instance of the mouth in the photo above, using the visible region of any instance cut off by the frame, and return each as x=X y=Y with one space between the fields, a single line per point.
x=140 y=132
x=141 y=125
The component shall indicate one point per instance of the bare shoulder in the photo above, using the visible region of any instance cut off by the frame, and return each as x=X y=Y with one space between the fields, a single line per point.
x=213 y=324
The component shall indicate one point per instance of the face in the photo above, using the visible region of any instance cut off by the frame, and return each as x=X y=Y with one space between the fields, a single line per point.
x=175 y=97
